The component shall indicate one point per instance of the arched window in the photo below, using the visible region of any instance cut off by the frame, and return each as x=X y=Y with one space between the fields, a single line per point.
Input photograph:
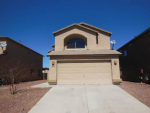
x=75 y=43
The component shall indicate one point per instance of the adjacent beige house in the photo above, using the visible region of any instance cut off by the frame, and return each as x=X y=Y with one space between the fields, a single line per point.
x=15 y=51
x=82 y=55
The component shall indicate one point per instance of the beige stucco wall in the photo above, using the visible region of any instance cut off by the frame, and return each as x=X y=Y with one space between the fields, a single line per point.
x=52 y=79
x=103 y=39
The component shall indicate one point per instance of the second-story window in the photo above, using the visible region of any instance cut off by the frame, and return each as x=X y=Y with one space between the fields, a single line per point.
x=125 y=53
x=32 y=71
x=130 y=44
x=28 y=52
x=75 y=43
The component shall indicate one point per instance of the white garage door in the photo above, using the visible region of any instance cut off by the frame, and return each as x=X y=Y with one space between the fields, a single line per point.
x=84 y=73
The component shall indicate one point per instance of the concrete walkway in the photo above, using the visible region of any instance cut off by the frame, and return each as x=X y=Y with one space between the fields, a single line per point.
x=43 y=85
x=88 y=99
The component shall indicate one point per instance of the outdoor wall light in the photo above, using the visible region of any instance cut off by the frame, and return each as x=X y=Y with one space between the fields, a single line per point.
x=115 y=62
x=53 y=64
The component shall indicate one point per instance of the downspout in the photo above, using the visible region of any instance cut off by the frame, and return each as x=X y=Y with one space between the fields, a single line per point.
x=97 y=40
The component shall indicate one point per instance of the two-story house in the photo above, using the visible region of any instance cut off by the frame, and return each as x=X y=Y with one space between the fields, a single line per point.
x=82 y=55
x=135 y=61
x=15 y=51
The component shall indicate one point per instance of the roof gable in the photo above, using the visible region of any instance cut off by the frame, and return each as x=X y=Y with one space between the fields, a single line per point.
x=74 y=25
x=137 y=37
x=7 y=38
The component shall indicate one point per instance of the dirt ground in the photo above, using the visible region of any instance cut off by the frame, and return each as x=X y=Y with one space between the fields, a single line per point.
x=27 y=97
x=24 y=100
x=140 y=91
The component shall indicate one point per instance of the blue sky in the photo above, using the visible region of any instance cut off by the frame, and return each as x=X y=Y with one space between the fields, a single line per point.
x=33 y=21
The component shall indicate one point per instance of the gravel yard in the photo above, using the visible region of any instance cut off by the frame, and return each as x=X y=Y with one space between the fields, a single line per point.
x=24 y=100
x=140 y=91
x=27 y=97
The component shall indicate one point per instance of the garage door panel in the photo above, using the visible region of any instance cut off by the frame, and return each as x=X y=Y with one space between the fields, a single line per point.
x=82 y=70
x=105 y=64
x=98 y=76
x=85 y=72
x=85 y=75
x=70 y=76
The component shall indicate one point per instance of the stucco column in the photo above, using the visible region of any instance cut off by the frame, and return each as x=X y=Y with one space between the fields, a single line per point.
x=52 y=78
x=115 y=71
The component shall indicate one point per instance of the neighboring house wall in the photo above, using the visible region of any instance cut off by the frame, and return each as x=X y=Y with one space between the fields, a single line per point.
x=16 y=51
x=137 y=58
x=45 y=73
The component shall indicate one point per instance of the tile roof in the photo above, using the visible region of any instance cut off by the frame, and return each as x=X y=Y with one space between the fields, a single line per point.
x=82 y=23
x=51 y=50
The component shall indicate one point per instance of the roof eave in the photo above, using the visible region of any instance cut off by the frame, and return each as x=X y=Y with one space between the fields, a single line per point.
x=96 y=28
x=82 y=54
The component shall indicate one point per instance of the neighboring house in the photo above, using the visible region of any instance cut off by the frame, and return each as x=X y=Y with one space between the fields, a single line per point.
x=135 y=61
x=82 y=55
x=45 y=73
x=17 y=51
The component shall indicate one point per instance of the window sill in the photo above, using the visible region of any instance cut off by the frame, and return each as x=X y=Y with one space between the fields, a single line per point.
x=77 y=49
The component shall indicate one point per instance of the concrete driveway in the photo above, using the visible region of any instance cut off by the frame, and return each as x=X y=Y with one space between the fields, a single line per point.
x=88 y=99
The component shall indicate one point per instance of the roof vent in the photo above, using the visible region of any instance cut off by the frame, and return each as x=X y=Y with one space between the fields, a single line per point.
x=134 y=36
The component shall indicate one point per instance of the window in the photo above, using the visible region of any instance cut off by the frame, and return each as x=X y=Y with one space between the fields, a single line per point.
x=125 y=53
x=28 y=52
x=130 y=44
x=75 y=43
x=121 y=72
x=32 y=71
